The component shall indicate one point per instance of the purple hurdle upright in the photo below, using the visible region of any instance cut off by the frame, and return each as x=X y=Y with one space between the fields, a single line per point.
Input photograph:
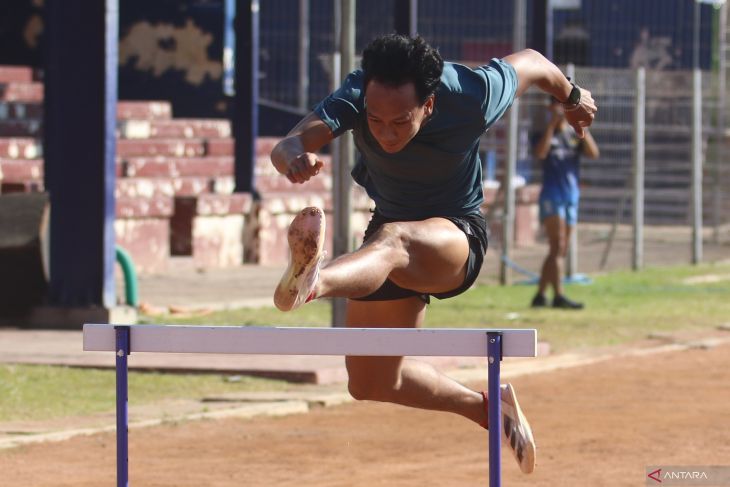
x=444 y=342
x=122 y=350
x=494 y=358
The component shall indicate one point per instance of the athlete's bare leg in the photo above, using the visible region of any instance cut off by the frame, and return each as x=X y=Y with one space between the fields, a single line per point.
x=407 y=382
x=428 y=256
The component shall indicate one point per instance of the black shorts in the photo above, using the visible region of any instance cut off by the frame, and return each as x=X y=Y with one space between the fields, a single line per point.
x=475 y=228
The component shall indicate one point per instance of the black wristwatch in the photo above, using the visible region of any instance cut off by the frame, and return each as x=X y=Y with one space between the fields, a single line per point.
x=573 y=98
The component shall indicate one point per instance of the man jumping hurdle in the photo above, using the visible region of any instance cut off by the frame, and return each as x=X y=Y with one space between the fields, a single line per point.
x=417 y=122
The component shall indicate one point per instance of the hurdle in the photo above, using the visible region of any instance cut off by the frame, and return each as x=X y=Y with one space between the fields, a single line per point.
x=444 y=342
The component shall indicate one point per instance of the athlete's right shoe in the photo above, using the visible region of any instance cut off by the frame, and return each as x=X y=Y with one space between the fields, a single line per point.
x=516 y=431
x=306 y=242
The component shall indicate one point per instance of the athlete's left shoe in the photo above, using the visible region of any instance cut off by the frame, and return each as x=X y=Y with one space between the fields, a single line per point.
x=516 y=430
x=306 y=242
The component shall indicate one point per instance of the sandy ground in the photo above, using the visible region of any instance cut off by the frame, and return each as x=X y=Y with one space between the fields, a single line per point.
x=597 y=425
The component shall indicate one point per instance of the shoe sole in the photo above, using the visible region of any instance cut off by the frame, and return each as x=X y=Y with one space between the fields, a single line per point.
x=306 y=241
x=527 y=462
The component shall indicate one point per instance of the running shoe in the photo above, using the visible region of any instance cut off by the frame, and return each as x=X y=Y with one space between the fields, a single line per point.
x=516 y=431
x=306 y=242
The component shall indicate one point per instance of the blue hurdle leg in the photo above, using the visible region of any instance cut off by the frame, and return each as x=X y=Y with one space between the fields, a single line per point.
x=494 y=352
x=122 y=347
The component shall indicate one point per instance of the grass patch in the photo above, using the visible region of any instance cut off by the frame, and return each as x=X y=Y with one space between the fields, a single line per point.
x=30 y=392
x=620 y=307
x=314 y=314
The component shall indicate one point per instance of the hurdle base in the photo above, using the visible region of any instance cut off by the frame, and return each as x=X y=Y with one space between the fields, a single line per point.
x=56 y=317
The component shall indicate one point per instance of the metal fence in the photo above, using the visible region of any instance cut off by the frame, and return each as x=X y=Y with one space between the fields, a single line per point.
x=606 y=40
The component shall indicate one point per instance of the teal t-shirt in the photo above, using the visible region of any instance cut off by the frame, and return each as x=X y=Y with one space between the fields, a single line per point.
x=439 y=172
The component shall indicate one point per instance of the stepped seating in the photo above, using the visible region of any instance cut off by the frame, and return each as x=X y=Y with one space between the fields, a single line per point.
x=20 y=118
x=211 y=228
x=20 y=171
x=160 y=160
x=175 y=183
x=188 y=165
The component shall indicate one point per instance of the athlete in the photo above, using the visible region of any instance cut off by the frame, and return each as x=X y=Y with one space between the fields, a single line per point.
x=416 y=121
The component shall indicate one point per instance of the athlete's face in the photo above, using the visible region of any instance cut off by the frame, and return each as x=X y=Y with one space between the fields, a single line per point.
x=394 y=114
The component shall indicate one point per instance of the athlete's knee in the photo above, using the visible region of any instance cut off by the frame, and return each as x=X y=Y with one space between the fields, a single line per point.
x=363 y=385
x=371 y=389
x=360 y=390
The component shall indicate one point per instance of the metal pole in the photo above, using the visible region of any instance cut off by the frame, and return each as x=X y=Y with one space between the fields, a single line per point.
x=246 y=83
x=494 y=352
x=513 y=120
x=571 y=267
x=82 y=40
x=696 y=191
x=696 y=35
x=549 y=31
x=229 y=48
x=720 y=132
x=508 y=216
x=637 y=258
x=342 y=207
x=405 y=18
x=303 y=95
x=122 y=347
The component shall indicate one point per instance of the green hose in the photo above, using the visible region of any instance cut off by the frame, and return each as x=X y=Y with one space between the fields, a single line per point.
x=130 y=277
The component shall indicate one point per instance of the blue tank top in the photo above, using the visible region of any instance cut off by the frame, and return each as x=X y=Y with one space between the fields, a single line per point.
x=561 y=168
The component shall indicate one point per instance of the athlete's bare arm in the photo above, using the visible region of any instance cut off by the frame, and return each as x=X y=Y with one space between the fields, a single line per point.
x=295 y=155
x=535 y=69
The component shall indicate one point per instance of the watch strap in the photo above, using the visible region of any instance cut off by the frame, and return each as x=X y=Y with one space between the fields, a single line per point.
x=572 y=105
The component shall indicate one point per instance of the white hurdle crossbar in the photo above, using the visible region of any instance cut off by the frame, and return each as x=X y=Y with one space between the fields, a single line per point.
x=455 y=342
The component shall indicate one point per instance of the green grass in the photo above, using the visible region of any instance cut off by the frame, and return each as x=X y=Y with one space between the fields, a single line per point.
x=29 y=392
x=621 y=307
x=313 y=314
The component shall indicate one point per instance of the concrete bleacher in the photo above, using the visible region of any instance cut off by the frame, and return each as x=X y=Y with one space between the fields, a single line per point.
x=175 y=183
x=168 y=164
x=164 y=165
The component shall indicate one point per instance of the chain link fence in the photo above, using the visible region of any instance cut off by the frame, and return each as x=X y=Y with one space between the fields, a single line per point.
x=606 y=40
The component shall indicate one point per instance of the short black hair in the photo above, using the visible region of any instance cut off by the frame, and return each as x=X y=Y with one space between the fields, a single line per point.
x=395 y=60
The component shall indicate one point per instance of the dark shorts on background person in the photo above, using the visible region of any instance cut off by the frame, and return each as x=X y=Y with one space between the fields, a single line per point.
x=474 y=227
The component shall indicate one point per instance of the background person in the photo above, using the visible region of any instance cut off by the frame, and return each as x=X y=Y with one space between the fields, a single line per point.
x=560 y=150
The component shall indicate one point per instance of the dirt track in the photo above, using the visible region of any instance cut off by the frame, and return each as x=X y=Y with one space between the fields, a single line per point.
x=596 y=425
